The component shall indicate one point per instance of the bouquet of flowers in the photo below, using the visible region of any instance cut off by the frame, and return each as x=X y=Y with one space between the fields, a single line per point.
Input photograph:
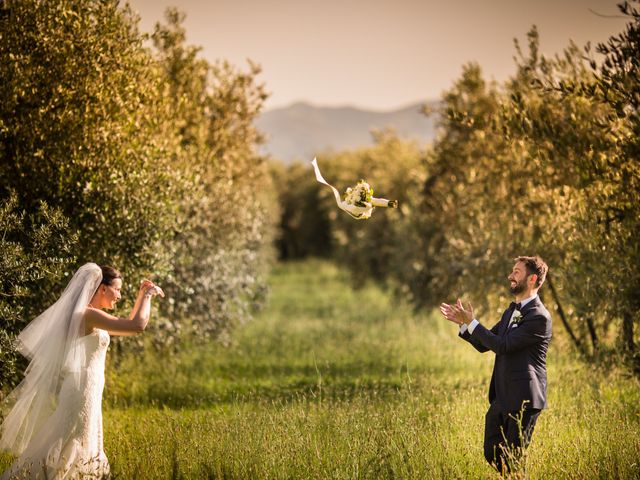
x=358 y=201
x=362 y=196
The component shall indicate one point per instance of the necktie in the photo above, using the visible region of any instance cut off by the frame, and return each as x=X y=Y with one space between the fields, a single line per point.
x=518 y=306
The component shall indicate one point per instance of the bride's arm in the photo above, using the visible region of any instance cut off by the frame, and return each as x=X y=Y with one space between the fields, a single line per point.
x=94 y=318
x=144 y=286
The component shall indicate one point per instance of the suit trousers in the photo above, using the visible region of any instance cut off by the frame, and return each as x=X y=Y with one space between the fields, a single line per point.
x=505 y=432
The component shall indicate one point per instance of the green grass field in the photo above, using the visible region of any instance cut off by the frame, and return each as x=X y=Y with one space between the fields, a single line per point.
x=329 y=382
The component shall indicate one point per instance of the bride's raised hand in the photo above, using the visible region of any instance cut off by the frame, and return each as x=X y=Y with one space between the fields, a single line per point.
x=145 y=285
x=154 y=290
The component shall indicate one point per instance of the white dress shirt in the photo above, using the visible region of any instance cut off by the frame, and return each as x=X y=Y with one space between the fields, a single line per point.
x=474 y=323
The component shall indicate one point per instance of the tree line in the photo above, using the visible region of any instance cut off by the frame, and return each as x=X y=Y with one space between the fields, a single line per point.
x=127 y=149
x=546 y=162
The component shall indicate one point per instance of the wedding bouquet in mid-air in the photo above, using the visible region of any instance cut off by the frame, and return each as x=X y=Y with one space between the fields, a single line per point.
x=358 y=201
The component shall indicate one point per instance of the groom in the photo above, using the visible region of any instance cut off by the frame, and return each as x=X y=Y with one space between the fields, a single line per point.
x=520 y=340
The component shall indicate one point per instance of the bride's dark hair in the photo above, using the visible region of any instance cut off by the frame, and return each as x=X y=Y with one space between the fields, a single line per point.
x=109 y=274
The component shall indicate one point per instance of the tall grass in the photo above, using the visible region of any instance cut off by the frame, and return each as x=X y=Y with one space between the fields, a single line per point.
x=332 y=382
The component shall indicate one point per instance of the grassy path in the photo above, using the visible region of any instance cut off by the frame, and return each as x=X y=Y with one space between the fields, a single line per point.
x=334 y=383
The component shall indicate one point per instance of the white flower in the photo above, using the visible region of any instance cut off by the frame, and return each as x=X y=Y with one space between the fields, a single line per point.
x=359 y=195
x=517 y=317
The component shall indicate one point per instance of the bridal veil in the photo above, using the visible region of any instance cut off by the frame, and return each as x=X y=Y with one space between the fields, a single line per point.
x=51 y=344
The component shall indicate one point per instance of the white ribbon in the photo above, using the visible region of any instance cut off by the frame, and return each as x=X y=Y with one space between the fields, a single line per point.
x=359 y=213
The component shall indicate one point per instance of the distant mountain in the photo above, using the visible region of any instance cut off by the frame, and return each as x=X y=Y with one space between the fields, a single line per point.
x=302 y=130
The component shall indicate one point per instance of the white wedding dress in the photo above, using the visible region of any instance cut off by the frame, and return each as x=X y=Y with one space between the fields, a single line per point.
x=69 y=443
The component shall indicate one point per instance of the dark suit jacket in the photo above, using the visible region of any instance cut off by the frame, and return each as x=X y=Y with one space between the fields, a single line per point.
x=520 y=369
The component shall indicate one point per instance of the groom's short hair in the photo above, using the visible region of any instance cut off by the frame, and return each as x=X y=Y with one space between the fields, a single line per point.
x=535 y=265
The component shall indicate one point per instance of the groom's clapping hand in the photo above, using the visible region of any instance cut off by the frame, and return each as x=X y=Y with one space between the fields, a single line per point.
x=457 y=313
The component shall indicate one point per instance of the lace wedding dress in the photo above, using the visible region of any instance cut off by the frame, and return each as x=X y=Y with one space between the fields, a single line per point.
x=69 y=445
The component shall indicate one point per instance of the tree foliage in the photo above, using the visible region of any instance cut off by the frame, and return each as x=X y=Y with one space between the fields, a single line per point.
x=219 y=260
x=140 y=157
x=544 y=163
x=37 y=249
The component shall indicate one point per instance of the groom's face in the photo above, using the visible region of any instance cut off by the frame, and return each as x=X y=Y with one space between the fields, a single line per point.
x=518 y=279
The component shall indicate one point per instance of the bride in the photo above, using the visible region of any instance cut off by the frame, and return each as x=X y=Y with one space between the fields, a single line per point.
x=55 y=423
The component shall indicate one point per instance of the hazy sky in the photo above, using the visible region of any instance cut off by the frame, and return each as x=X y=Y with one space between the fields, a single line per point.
x=378 y=54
